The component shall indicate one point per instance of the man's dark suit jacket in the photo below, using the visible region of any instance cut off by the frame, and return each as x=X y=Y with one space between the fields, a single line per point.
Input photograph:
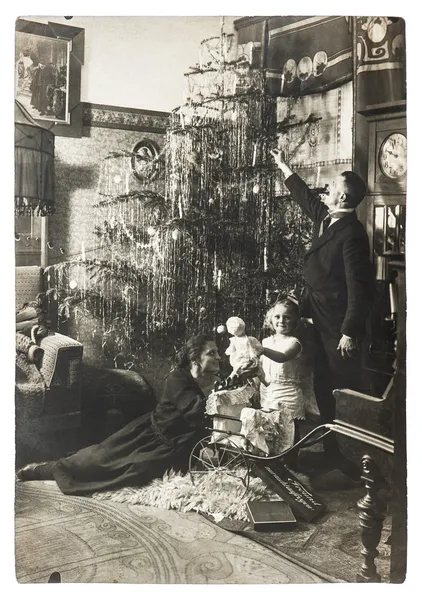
x=337 y=269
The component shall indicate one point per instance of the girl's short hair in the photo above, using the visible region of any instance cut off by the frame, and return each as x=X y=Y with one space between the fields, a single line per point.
x=192 y=350
x=288 y=303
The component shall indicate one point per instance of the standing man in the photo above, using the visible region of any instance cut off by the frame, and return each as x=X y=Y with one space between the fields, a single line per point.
x=340 y=289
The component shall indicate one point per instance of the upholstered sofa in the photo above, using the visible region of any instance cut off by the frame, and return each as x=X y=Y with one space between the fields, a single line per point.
x=48 y=398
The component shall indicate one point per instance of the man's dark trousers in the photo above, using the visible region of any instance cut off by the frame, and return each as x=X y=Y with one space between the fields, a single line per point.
x=332 y=371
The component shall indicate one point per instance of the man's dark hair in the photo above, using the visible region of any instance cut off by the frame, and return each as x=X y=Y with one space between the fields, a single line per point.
x=355 y=188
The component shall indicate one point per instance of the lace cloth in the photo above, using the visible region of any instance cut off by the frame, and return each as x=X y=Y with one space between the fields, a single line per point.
x=268 y=433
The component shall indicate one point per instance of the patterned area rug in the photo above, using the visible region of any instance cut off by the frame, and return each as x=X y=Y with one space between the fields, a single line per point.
x=89 y=541
x=330 y=546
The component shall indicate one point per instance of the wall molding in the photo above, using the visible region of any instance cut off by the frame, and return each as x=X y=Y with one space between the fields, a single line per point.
x=120 y=117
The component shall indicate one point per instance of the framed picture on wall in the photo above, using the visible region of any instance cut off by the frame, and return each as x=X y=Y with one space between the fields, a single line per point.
x=48 y=59
x=42 y=76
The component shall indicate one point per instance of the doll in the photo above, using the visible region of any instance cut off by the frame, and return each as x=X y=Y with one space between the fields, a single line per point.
x=234 y=393
x=244 y=351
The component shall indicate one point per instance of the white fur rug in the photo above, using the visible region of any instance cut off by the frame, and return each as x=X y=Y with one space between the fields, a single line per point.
x=214 y=493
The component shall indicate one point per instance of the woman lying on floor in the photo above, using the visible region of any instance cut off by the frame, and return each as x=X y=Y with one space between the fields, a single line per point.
x=150 y=445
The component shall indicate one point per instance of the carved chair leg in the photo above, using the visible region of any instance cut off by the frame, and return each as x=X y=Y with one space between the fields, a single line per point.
x=371 y=517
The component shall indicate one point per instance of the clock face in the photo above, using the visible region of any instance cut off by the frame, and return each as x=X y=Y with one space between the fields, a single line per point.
x=393 y=156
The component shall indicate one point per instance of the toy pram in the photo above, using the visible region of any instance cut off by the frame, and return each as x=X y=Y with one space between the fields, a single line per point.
x=227 y=447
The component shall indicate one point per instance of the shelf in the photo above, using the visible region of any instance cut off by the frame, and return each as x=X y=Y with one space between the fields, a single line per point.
x=380 y=110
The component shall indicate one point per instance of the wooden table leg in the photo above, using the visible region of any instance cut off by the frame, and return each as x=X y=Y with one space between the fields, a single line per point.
x=371 y=517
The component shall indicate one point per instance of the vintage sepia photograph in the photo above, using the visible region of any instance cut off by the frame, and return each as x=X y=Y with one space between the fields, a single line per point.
x=210 y=299
x=42 y=76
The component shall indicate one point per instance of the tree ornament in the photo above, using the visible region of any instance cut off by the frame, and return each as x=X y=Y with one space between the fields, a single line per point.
x=151 y=231
x=73 y=284
x=175 y=234
x=255 y=188
x=221 y=329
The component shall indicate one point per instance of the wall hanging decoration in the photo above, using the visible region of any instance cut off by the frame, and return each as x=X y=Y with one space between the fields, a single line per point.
x=48 y=61
x=380 y=61
x=308 y=54
x=144 y=166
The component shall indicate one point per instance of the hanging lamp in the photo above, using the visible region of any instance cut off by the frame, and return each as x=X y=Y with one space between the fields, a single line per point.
x=34 y=166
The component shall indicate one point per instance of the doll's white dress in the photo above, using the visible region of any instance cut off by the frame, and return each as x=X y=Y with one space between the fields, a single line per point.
x=243 y=349
x=284 y=379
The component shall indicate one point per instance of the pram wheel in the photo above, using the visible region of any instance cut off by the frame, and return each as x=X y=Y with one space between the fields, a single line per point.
x=209 y=456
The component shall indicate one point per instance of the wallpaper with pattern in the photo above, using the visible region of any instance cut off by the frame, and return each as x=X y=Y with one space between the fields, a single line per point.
x=78 y=163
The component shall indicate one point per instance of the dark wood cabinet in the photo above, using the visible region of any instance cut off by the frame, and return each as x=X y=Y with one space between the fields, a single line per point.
x=373 y=426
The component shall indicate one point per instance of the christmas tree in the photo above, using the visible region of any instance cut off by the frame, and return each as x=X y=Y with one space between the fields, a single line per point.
x=204 y=237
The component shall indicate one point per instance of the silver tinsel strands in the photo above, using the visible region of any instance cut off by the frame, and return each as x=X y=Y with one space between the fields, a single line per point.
x=197 y=240
x=219 y=186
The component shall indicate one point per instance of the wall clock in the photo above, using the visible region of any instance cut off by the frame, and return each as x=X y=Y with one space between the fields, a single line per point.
x=392 y=156
x=143 y=164
x=387 y=154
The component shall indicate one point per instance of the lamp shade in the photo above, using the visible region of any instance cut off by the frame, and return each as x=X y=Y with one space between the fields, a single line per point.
x=34 y=166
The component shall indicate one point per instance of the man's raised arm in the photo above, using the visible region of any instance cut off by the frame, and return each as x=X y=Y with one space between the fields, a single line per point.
x=311 y=205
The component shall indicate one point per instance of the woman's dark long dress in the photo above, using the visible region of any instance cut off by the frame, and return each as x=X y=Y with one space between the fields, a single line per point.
x=145 y=448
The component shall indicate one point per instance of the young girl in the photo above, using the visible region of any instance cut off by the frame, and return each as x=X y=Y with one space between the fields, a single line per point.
x=281 y=362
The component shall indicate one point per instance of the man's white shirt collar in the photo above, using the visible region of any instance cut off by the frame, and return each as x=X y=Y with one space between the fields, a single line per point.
x=343 y=211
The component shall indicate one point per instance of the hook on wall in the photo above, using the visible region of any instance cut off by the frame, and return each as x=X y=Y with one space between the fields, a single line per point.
x=50 y=246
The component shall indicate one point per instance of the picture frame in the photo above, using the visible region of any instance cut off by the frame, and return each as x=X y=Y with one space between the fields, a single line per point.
x=48 y=62
x=143 y=154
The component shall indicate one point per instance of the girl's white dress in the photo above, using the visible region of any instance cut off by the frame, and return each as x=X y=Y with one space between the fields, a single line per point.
x=285 y=378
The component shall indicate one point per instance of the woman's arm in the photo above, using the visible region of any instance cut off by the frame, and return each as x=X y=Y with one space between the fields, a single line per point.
x=183 y=392
x=194 y=413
